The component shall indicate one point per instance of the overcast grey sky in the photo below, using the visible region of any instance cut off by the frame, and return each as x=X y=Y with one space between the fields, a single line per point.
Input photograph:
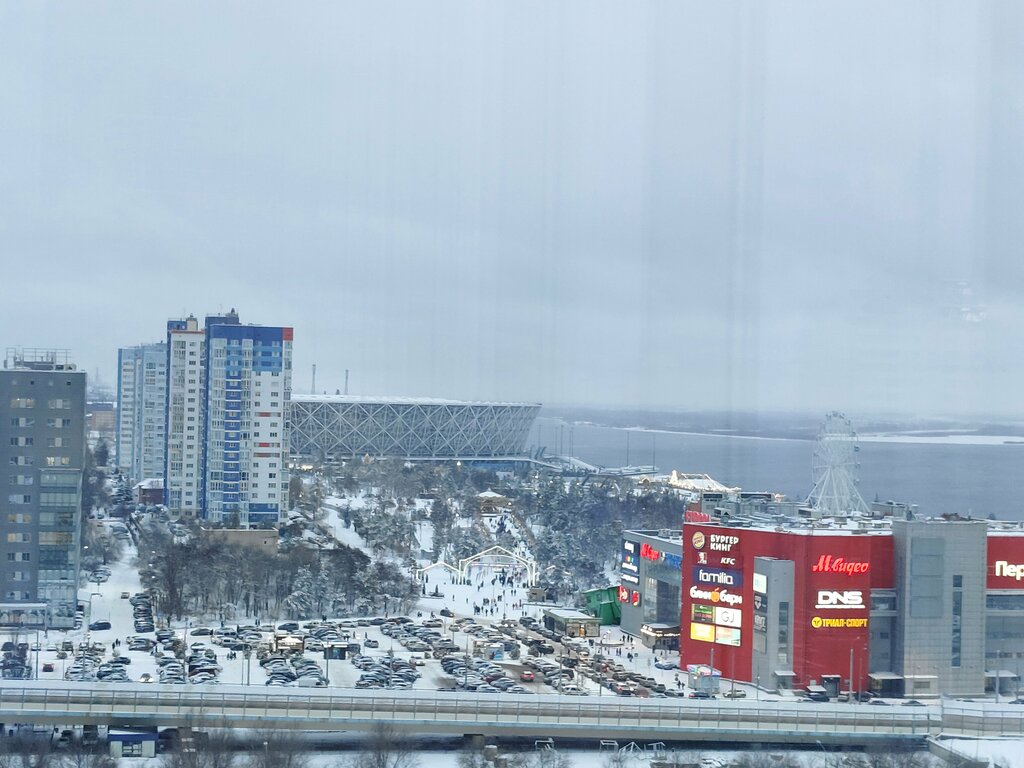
x=682 y=204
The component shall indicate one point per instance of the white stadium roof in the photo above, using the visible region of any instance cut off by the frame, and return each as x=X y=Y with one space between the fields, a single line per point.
x=383 y=400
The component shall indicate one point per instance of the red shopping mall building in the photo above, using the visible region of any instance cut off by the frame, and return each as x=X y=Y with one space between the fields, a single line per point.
x=915 y=607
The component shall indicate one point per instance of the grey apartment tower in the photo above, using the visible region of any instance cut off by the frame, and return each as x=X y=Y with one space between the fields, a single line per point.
x=42 y=454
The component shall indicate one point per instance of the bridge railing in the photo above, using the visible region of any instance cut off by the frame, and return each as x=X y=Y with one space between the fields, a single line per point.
x=319 y=709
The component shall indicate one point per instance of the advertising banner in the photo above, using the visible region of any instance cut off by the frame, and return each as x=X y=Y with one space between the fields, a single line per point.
x=1005 y=562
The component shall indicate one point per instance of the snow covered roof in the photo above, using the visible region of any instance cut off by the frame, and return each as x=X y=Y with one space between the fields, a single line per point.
x=698 y=482
x=383 y=400
x=151 y=483
x=489 y=494
x=568 y=614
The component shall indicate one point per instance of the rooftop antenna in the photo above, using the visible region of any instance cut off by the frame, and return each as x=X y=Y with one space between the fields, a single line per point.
x=346 y=381
x=313 y=390
x=834 y=468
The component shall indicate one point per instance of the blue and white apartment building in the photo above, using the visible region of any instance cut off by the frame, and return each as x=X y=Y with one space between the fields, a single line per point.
x=228 y=389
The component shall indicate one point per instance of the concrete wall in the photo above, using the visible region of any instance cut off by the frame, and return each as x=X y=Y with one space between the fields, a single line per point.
x=940 y=570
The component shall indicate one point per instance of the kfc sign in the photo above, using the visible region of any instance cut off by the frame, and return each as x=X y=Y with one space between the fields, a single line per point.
x=830 y=564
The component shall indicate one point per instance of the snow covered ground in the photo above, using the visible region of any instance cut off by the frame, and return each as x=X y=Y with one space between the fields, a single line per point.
x=1000 y=753
x=482 y=597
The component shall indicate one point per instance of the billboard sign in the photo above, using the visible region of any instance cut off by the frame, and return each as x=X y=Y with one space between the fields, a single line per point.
x=718 y=577
x=729 y=617
x=705 y=633
x=727 y=636
x=704 y=614
x=1005 y=562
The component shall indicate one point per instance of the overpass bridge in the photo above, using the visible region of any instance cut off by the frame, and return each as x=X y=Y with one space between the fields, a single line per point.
x=499 y=715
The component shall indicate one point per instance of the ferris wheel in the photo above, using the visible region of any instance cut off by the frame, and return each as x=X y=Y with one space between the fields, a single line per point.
x=834 y=468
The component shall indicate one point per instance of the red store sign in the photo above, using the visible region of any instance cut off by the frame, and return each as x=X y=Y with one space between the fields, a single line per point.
x=830 y=564
x=650 y=553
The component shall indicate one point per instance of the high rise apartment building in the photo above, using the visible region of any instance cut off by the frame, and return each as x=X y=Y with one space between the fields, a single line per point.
x=184 y=408
x=42 y=454
x=141 y=412
x=228 y=389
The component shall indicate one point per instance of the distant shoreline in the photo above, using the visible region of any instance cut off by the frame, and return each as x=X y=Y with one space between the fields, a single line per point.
x=952 y=436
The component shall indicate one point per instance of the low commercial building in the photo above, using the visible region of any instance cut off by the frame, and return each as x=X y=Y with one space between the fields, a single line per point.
x=150 y=491
x=915 y=607
x=566 y=621
x=650 y=573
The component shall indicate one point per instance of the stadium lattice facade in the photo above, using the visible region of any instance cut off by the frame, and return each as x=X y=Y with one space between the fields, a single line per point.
x=345 y=426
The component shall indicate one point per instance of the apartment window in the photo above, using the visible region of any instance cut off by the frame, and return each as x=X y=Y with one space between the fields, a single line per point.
x=58 y=461
x=59 y=403
x=22 y=480
x=22 y=422
x=22 y=441
x=56 y=538
x=22 y=461
x=19 y=538
x=21 y=576
x=60 y=423
x=19 y=518
x=19 y=557
x=272 y=475
x=956 y=636
x=58 y=442
x=19 y=498
x=23 y=402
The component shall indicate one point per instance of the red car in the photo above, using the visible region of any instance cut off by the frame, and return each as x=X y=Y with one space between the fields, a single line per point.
x=526 y=676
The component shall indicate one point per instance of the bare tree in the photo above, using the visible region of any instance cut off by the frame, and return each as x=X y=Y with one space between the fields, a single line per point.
x=207 y=751
x=279 y=749
x=542 y=758
x=386 y=748
x=473 y=758
x=79 y=755
x=765 y=760
x=26 y=753
x=898 y=760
